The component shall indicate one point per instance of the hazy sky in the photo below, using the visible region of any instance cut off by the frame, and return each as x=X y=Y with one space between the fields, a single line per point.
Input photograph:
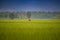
x=29 y=5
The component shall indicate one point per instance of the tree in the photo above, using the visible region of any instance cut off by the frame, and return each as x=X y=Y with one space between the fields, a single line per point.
x=29 y=16
x=11 y=15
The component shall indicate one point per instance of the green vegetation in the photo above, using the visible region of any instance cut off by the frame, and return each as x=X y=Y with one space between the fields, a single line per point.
x=30 y=30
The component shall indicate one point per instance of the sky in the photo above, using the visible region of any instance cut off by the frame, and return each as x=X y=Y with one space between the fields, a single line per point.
x=30 y=5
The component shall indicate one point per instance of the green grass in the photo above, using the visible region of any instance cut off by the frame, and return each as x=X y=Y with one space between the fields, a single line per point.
x=29 y=30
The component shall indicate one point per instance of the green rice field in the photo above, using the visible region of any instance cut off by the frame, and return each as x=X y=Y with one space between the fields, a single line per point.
x=30 y=30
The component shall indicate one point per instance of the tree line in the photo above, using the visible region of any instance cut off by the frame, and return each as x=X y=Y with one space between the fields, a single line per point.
x=29 y=15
